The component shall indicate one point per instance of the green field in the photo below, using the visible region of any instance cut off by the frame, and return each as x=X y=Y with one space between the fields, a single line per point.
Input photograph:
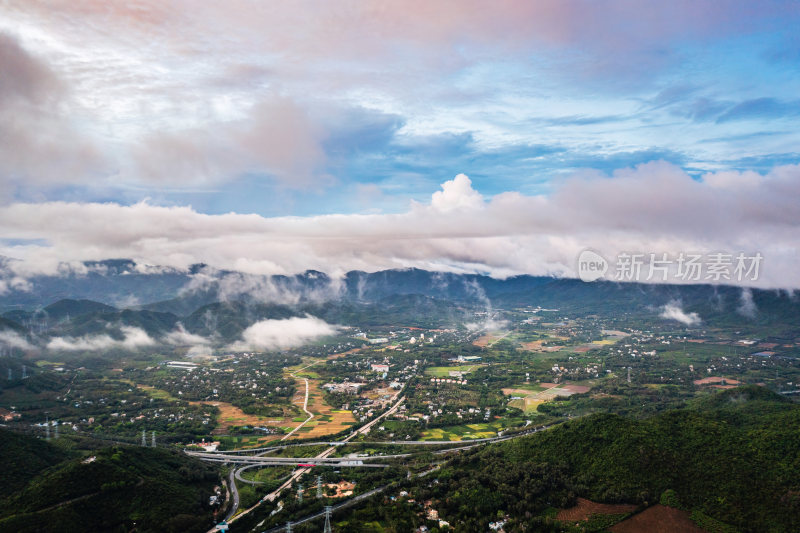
x=469 y=431
x=444 y=371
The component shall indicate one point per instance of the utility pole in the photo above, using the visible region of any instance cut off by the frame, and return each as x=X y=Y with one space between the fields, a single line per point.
x=10 y=376
x=144 y=439
x=300 y=493
x=153 y=441
x=629 y=374
x=24 y=372
x=56 y=429
x=46 y=426
x=319 y=487
x=327 y=520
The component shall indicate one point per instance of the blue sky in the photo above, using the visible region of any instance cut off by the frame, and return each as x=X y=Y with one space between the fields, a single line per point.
x=304 y=109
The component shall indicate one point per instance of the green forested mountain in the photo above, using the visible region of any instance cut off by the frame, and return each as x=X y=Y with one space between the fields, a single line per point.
x=732 y=457
x=121 y=488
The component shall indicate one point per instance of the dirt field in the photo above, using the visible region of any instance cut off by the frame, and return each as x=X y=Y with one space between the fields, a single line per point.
x=343 y=354
x=533 y=346
x=486 y=340
x=658 y=519
x=326 y=421
x=716 y=379
x=585 y=508
x=230 y=415
x=531 y=399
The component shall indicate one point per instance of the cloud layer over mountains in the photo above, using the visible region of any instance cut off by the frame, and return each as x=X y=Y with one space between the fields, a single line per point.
x=653 y=208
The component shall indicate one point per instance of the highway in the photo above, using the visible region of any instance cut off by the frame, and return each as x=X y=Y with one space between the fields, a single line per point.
x=323 y=459
x=234 y=495
x=268 y=449
x=306 y=460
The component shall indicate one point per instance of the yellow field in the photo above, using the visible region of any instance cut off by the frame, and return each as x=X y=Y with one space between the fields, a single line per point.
x=230 y=415
x=318 y=426
x=326 y=421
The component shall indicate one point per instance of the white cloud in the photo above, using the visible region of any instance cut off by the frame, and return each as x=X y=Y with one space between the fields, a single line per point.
x=674 y=311
x=133 y=339
x=457 y=194
x=14 y=283
x=283 y=333
x=653 y=208
x=12 y=339
x=181 y=337
x=747 y=307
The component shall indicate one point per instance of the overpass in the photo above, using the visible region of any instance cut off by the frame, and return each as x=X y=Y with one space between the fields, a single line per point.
x=291 y=461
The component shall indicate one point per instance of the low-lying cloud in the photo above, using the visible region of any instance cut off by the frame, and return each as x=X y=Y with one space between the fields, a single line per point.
x=747 y=307
x=674 y=311
x=283 y=334
x=133 y=338
x=181 y=337
x=12 y=339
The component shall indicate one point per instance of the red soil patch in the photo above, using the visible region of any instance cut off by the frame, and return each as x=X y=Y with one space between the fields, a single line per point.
x=586 y=508
x=658 y=519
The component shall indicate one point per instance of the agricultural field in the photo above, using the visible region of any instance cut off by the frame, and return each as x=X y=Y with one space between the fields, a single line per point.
x=490 y=338
x=230 y=416
x=327 y=420
x=469 y=431
x=444 y=371
x=529 y=397
x=158 y=394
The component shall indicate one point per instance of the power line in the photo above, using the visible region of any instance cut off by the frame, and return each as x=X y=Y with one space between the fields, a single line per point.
x=327 y=520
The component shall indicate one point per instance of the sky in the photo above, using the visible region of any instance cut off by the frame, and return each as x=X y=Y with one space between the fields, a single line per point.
x=495 y=137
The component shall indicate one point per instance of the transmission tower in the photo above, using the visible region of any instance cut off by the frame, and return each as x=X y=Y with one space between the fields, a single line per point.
x=327 y=520
x=300 y=493
x=46 y=425
x=144 y=439
x=10 y=376
x=288 y=527
x=24 y=371
x=153 y=440
x=319 y=487
x=56 y=429
x=629 y=374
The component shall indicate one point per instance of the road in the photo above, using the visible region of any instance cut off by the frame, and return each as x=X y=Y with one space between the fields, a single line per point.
x=234 y=496
x=305 y=408
x=301 y=461
x=334 y=508
x=324 y=459
x=362 y=430
x=243 y=480
x=323 y=455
